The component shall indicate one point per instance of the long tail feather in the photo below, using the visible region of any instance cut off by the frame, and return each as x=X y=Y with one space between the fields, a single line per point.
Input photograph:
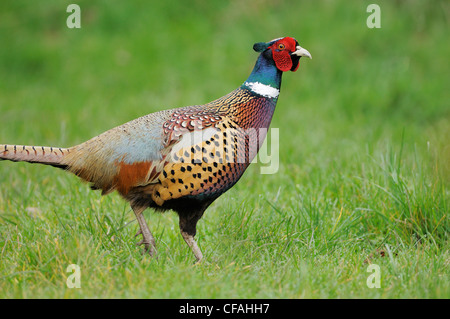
x=34 y=154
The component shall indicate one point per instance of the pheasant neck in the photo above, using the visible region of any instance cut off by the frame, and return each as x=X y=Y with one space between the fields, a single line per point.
x=265 y=78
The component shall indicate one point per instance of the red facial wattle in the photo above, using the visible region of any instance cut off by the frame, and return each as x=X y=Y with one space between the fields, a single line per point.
x=281 y=52
x=282 y=60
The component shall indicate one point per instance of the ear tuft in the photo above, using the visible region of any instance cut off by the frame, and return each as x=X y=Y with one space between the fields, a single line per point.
x=260 y=46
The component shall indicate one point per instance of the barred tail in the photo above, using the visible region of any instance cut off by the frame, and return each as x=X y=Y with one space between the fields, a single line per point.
x=34 y=154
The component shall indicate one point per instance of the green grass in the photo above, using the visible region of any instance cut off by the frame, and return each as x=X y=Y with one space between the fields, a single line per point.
x=364 y=149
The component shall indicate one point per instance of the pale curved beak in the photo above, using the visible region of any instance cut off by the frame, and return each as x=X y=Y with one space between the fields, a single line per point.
x=302 y=52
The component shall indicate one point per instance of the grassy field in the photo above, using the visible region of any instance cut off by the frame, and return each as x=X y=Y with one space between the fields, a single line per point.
x=364 y=174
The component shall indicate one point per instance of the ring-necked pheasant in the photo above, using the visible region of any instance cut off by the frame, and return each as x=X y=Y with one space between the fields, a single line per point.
x=180 y=159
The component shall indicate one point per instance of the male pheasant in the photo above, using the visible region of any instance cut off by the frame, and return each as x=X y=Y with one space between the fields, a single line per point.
x=180 y=159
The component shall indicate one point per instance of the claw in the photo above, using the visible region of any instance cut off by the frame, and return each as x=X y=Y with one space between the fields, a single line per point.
x=140 y=243
x=148 y=247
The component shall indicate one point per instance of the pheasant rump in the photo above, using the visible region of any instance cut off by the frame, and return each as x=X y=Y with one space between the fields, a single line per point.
x=180 y=159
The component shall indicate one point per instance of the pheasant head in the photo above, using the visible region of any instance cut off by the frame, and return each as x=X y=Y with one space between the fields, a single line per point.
x=285 y=52
x=277 y=56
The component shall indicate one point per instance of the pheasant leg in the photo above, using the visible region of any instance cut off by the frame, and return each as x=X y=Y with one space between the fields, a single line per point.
x=189 y=239
x=147 y=238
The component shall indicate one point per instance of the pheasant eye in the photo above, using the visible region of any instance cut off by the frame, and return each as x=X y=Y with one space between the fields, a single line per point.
x=281 y=46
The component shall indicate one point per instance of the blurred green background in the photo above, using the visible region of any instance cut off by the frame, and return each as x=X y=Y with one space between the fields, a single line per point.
x=364 y=142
